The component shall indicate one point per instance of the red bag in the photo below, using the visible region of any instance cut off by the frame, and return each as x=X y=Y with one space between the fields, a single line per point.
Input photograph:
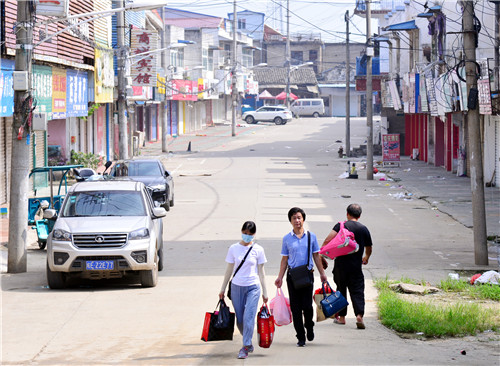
x=342 y=244
x=265 y=327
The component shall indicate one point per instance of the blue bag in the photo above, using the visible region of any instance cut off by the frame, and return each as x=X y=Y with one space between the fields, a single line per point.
x=332 y=303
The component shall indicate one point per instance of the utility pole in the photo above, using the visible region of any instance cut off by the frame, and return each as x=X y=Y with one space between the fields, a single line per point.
x=19 y=186
x=123 y=142
x=288 y=54
x=369 y=94
x=234 y=90
x=164 y=66
x=497 y=46
x=475 y=150
x=347 y=89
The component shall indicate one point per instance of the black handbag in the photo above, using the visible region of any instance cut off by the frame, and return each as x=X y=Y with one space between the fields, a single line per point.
x=224 y=316
x=234 y=274
x=302 y=276
x=212 y=330
x=332 y=303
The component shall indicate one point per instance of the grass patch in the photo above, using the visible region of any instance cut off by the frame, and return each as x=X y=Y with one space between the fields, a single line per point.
x=445 y=320
x=480 y=291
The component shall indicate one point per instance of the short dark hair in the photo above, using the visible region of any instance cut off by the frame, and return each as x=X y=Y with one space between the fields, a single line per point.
x=250 y=226
x=295 y=210
x=354 y=210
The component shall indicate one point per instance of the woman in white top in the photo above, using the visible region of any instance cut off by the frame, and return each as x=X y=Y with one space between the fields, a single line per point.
x=245 y=287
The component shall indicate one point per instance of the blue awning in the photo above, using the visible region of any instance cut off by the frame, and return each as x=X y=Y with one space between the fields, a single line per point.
x=401 y=26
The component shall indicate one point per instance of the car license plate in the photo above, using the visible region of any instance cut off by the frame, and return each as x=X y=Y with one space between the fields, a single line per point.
x=99 y=265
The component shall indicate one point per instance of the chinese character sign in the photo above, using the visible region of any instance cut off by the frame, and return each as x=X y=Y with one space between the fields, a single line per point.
x=143 y=64
x=390 y=147
x=59 y=93
x=77 y=93
x=6 y=90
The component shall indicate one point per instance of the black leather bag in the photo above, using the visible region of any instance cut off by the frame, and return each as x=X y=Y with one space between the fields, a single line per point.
x=302 y=276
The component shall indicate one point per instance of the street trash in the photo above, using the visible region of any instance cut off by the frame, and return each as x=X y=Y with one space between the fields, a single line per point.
x=401 y=195
x=344 y=175
x=406 y=170
x=454 y=276
x=380 y=176
x=491 y=277
x=463 y=352
x=474 y=278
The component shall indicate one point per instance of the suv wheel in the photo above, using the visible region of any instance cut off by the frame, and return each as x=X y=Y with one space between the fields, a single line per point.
x=149 y=278
x=160 y=258
x=166 y=205
x=315 y=114
x=172 y=201
x=56 y=280
x=250 y=120
x=278 y=120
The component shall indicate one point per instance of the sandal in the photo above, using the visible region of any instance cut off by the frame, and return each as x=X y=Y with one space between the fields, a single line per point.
x=360 y=325
x=337 y=321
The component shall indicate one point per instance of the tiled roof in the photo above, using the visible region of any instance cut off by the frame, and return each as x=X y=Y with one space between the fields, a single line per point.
x=278 y=76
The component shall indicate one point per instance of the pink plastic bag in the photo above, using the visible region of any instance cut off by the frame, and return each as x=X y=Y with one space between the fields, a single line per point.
x=342 y=244
x=280 y=309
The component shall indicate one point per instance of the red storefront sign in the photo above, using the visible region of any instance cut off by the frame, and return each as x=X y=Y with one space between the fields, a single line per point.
x=391 y=148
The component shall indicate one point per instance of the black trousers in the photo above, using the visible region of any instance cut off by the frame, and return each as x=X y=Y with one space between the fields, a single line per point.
x=354 y=281
x=301 y=304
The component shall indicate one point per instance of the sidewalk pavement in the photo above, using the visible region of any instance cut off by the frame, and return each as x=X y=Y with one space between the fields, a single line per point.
x=445 y=191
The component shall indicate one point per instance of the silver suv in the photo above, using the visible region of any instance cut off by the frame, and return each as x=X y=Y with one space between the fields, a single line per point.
x=106 y=229
x=278 y=115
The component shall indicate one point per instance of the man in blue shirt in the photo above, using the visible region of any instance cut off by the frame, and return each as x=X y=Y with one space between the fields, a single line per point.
x=294 y=253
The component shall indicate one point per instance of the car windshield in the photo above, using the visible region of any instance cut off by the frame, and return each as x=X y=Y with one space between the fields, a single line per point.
x=144 y=169
x=108 y=203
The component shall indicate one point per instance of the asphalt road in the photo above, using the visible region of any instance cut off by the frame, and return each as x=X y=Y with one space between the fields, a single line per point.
x=257 y=175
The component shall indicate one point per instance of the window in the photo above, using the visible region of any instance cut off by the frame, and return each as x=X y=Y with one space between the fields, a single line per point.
x=297 y=57
x=107 y=203
x=247 y=58
x=313 y=55
x=204 y=55
x=210 y=65
x=306 y=103
x=316 y=102
x=242 y=24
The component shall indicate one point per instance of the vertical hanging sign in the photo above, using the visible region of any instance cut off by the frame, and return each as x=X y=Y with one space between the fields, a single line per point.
x=59 y=88
x=144 y=64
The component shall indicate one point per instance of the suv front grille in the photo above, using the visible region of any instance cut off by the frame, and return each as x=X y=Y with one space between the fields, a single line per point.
x=99 y=240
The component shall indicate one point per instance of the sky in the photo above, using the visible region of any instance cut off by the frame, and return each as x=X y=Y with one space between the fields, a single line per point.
x=313 y=16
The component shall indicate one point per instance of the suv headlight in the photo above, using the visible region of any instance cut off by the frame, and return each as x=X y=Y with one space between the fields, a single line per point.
x=139 y=234
x=159 y=187
x=61 y=235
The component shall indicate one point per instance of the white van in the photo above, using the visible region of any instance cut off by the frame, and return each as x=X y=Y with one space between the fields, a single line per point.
x=308 y=107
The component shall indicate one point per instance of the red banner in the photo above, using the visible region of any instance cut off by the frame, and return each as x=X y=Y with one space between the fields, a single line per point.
x=182 y=90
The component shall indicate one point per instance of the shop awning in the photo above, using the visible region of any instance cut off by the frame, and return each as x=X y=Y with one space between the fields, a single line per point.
x=405 y=26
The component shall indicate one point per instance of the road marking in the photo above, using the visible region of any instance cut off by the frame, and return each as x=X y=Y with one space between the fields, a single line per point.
x=178 y=167
x=203 y=161
x=391 y=210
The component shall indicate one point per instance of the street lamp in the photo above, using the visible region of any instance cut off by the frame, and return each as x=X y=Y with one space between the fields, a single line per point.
x=23 y=110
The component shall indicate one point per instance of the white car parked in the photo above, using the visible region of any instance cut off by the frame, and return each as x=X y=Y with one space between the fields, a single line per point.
x=276 y=114
x=106 y=229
